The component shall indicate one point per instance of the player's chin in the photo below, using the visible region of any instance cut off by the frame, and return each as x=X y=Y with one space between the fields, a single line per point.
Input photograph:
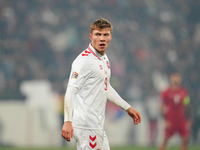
x=102 y=49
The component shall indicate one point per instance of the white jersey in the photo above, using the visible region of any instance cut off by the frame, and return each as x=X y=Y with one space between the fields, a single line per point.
x=90 y=73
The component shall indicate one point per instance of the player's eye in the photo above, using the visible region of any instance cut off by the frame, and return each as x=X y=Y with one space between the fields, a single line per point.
x=106 y=34
x=98 y=34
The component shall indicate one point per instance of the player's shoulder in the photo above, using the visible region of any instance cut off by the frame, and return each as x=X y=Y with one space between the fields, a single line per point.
x=165 y=91
x=183 y=89
x=84 y=54
x=82 y=58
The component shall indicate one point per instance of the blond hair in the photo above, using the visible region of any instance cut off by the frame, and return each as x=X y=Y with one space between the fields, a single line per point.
x=100 y=24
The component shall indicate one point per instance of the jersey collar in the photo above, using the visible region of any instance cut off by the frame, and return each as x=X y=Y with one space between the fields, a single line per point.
x=94 y=52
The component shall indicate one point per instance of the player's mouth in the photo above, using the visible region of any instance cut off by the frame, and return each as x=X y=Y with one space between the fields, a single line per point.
x=102 y=45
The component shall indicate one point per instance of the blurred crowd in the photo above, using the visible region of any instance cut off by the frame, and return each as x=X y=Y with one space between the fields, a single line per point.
x=40 y=39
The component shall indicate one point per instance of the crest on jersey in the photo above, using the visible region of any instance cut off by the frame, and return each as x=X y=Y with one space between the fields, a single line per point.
x=74 y=75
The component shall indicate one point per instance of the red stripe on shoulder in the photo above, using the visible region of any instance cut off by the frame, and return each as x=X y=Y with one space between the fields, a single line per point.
x=93 y=53
x=86 y=53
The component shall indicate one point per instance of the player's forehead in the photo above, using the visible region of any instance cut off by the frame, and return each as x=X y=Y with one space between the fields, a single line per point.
x=102 y=31
x=175 y=76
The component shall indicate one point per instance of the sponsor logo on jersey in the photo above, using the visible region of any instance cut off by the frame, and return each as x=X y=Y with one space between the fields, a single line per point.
x=74 y=75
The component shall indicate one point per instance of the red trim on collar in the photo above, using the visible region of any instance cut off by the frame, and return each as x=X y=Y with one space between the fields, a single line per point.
x=93 y=52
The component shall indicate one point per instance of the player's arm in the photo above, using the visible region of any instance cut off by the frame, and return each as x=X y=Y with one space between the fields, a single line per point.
x=67 y=130
x=114 y=97
x=162 y=106
x=188 y=109
x=162 y=110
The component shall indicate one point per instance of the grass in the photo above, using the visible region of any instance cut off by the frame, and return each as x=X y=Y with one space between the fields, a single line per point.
x=113 y=148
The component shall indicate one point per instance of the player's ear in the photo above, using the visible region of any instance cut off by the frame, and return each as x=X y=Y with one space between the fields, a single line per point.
x=90 y=35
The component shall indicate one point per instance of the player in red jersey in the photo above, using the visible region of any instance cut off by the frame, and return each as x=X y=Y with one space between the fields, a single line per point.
x=175 y=108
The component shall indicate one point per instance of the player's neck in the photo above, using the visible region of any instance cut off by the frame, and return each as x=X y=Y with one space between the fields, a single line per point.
x=101 y=53
x=175 y=87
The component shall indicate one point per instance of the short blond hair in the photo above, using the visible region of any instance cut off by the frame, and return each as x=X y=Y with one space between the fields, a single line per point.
x=100 y=24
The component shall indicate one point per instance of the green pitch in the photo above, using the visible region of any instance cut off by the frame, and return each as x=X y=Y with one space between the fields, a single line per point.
x=113 y=148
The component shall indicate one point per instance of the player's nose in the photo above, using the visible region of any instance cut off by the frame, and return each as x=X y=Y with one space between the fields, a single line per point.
x=102 y=38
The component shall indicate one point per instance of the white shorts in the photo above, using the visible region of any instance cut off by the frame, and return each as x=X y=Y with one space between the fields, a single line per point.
x=91 y=139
